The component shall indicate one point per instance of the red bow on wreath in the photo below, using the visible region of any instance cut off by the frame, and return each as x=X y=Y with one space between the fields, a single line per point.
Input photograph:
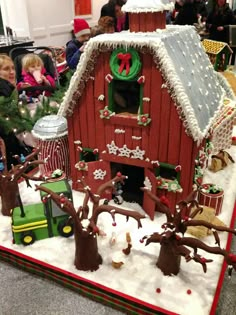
x=125 y=58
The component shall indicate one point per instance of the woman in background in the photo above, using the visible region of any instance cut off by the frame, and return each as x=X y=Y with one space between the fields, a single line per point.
x=105 y=25
x=218 y=21
x=113 y=9
x=9 y=110
x=187 y=14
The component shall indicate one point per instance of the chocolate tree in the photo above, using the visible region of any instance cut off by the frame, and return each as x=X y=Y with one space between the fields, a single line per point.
x=173 y=242
x=9 y=190
x=85 y=224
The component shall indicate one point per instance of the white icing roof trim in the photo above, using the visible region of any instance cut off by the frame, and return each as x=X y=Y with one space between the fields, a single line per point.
x=144 y=6
x=197 y=121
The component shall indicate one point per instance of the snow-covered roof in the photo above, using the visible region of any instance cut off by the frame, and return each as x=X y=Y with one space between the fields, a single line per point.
x=185 y=66
x=138 y=6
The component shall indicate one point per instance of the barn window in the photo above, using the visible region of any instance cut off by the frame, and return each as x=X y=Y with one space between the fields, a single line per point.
x=125 y=97
x=125 y=92
x=167 y=172
x=168 y=177
x=88 y=155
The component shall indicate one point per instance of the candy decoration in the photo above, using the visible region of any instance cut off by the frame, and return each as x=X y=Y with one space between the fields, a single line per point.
x=109 y=78
x=141 y=79
x=178 y=168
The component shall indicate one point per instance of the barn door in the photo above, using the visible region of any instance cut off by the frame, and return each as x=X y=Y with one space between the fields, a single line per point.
x=150 y=182
x=98 y=173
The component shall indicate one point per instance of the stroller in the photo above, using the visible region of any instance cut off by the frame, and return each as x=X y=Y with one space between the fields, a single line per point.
x=49 y=61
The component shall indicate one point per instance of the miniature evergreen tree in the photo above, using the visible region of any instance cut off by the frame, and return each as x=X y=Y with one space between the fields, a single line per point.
x=43 y=108
x=17 y=116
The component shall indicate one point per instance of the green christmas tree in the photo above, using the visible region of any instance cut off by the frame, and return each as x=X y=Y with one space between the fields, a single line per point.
x=15 y=112
x=14 y=117
x=17 y=117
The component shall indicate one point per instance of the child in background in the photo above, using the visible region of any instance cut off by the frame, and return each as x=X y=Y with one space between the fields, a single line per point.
x=75 y=47
x=34 y=74
x=9 y=101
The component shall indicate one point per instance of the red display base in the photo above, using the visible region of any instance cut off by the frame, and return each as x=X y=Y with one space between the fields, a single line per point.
x=97 y=291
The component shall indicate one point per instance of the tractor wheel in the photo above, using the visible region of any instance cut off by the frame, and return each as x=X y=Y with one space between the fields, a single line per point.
x=27 y=238
x=65 y=229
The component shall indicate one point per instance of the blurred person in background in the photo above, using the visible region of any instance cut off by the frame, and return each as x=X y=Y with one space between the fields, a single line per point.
x=113 y=9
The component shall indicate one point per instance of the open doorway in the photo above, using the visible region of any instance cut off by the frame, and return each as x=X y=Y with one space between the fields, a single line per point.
x=131 y=189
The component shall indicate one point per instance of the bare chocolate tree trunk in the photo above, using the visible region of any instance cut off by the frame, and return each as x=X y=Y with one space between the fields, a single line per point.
x=168 y=260
x=9 y=195
x=86 y=252
x=9 y=190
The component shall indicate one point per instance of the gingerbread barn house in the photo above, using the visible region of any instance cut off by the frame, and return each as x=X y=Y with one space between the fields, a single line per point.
x=142 y=102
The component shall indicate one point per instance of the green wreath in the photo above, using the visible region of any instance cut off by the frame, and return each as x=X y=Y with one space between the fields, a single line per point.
x=125 y=64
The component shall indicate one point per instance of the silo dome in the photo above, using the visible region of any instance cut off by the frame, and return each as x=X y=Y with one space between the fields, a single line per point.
x=50 y=127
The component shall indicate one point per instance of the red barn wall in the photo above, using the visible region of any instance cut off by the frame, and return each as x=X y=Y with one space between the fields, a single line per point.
x=164 y=139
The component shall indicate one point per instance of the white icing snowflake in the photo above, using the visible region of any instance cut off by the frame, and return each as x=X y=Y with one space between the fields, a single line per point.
x=147 y=183
x=112 y=148
x=118 y=131
x=146 y=99
x=124 y=151
x=101 y=97
x=138 y=154
x=77 y=142
x=99 y=174
x=136 y=138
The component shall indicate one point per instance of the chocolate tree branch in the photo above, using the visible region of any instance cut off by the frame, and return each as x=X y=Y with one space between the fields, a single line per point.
x=94 y=199
x=111 y=183
x=66 y=205
x=195 y=244
x=209 y=226
x=160 y=206
x=115 y=210
x=107 y=185
x=195 y=212
x=154 y=238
